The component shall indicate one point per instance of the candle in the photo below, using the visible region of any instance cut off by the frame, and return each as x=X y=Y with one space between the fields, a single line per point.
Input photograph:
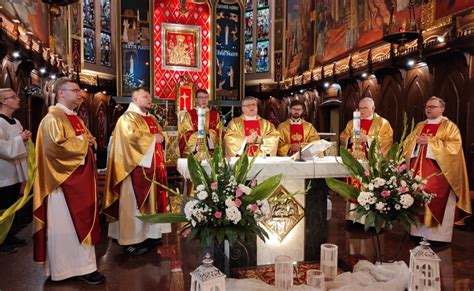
x=201 y=121
x=356 y=123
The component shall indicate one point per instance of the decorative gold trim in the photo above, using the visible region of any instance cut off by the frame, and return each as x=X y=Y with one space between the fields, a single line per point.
x=184 y=29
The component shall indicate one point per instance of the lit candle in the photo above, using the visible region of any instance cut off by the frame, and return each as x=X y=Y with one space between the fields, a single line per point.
x=201 y=121
x=356 y=123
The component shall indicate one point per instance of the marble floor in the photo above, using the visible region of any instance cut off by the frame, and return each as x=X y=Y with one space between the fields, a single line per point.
x=153 y=271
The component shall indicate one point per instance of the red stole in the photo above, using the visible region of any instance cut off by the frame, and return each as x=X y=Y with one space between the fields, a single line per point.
x=365 y=125
x=437 y=184
x=296 y=134
x=252 y=127
x=81 y=198
x=157 y=172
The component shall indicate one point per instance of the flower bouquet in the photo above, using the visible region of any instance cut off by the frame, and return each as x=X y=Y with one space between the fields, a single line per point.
x=389 y=193
x=226 y=204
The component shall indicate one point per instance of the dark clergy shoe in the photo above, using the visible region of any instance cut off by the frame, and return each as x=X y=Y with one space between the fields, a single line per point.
x=135 y=250
x=151 y=242
x=92 y=278
x=7 y=249
x=14 y=241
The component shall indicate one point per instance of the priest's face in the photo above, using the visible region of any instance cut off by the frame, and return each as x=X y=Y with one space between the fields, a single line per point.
x=249 y=108
x=366 y=109
x=70 y=95
x=296 y=111
x=202 y=99
x=434 y=109
x=142 y=99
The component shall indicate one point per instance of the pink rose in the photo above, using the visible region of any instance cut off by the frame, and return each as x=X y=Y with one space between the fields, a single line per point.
x=238 y=202
x=366 y=172
x=401 y=168
x=239 y=192
x=402 y=189
x=253 y=183
x=253 y=207
x=385 y=193
x=218 y=214
x=214 y=185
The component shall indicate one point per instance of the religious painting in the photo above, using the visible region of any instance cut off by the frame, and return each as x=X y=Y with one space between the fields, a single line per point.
x=263 y=24
x=136 y=68
x=343 y=26
x=32 y=14
x=228 y=43
x=299 y=44
x=76 y=19
x=58 y=40
x=105 y=15
x=262 y=55
x=89 y=13
x=248 y=58
x=185 y=99
x=445 y=8
x=89 y=45
x=181 y=47
x=248 y=23
x=279 y=9
x=105 y=50
x=249 y=4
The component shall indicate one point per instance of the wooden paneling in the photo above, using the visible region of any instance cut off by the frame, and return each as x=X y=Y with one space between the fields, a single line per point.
x=389 y=103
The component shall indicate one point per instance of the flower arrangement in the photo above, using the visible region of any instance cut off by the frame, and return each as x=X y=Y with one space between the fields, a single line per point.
x=226 y=204
x=389 y=193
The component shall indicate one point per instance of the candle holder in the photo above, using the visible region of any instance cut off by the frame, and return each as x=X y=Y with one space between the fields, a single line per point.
x=283 y=272
x=329 y=260
x=202 y=152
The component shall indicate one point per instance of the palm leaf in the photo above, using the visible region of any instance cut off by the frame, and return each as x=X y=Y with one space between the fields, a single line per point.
x=264 y=189
x=163 y=218
x=197 y=172
x=351 y=163
x=347 y=191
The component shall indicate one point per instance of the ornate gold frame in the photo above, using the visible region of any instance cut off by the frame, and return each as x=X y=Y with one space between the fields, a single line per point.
x=195 y=30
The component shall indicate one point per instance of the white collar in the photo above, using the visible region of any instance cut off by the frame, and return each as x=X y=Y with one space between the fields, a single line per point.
x=434 y=121
x=250 y=117
x=65 y=109
x=134 y=108
x=205 y=109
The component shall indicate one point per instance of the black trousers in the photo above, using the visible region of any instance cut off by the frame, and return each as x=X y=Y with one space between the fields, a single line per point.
x=9 y=195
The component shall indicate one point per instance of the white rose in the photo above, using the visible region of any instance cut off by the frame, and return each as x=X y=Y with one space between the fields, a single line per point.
x=370 y=187
x=380 y=206
x=200 y=187
x=189 y=208
x=202 y=195
x=403 y=183
x=229 y=202
x=233 y=214
x=406 y=200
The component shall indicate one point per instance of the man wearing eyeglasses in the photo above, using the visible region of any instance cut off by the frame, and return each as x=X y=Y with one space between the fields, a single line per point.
x=189 y=127
x=136 y=162
x=13 y=165
x=295 y=132
x=433 y=150
x=250 y=132
x=65 y=209
x=371 y=125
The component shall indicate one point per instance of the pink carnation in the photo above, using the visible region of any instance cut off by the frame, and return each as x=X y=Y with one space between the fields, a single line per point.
x=239 y=192
x=218 y=214
x=238 y=202
x=401 y=168
x=253 y=183
x=385 y=193
x=214 y=185
x=366 y=172
x=253 y=207
x=402 y=189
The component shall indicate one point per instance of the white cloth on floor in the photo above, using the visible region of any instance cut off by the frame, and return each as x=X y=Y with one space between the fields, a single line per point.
x=444 y=231
x=129 y=230
x=66 y=256
x=256 y=285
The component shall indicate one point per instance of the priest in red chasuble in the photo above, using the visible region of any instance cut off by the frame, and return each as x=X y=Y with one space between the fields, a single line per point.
x=189 y=127
x=295 y=132
x=248 y=131
x=434 y=150
x=136 y=161
x=66 y=224
x=371 y=125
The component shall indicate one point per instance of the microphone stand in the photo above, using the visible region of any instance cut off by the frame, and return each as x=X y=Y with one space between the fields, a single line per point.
x=300 y=155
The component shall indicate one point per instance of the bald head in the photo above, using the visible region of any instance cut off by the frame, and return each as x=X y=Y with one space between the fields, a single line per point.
x=366 y=107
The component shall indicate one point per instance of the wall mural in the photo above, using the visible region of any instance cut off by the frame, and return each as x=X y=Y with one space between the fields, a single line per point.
x=299 y=31
x=58 y=41
x=343 y=26
x=33 y=15
x=444 y=8
x=167 y=76
x=228 y=51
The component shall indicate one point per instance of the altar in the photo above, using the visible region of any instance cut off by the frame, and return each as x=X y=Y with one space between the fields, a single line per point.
x=302 y=242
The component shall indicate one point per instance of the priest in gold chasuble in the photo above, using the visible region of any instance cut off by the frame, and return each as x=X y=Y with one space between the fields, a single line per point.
x=248 y=131
x=434 y=150
x=65 y=209
x=136 y=162
x=295 y=132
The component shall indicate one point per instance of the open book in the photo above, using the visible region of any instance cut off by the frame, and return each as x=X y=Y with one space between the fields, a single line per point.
x=313 y=149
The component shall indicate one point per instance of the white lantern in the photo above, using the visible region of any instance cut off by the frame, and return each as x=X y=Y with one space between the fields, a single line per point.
x=424 y=268
x=328 y=260
x=207 y=277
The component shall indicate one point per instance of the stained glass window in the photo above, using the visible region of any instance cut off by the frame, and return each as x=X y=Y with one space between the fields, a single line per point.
x=89 y=13
x=89 y=45
x=105 y=37
x=257 y=36
x=105 y=50
x=105 y=21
